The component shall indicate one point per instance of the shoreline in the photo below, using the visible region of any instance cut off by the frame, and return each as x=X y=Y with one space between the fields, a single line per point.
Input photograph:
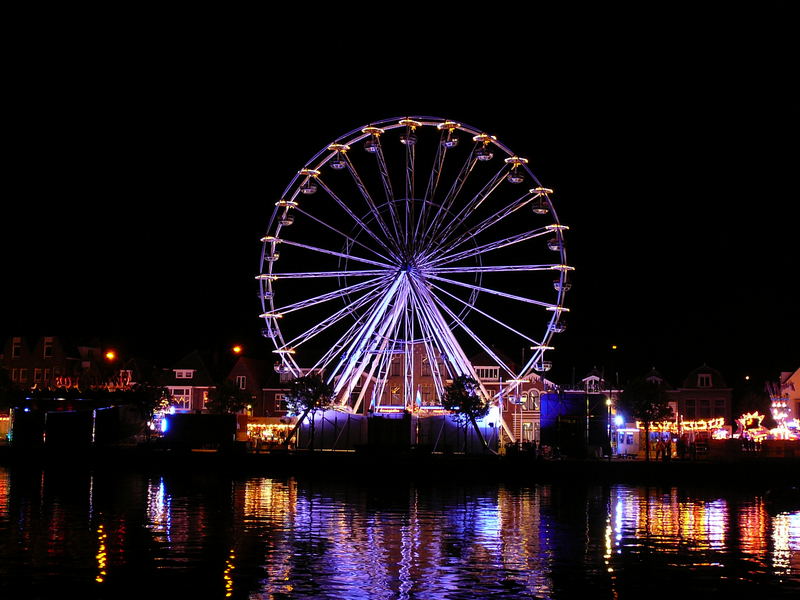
x=363 y=466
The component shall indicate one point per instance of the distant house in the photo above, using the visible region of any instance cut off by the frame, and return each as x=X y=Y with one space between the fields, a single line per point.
x=189 y=383
x=703 y=395
x=266 y=388
x=52 y=362
x=519 y=399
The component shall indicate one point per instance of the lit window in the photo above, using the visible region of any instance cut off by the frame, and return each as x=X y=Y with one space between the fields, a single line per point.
x=181 y=398
x=426 y=395
x=48 y=347
x=184 y=374
x=533 y=404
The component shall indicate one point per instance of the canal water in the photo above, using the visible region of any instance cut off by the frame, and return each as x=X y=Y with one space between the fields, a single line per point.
x=104 y=534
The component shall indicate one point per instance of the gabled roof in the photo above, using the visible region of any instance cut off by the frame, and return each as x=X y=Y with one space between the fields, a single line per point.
x=194 y=362
x=717 y=381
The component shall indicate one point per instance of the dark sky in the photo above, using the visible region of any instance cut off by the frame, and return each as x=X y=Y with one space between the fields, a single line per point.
x=140 y=176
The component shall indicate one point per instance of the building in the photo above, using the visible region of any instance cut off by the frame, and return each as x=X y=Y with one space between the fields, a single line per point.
x=52 y=362
x=790 y=390
x=519 y=399
x=704 y=395
x=188 y=382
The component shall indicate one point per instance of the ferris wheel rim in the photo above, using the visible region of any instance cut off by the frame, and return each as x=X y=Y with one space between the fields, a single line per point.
x=353 y=137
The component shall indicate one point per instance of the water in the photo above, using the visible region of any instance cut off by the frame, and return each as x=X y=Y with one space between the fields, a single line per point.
x=194 y=535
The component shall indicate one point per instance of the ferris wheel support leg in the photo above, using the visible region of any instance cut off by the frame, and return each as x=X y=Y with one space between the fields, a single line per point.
x=356 y=361
x=507 y=429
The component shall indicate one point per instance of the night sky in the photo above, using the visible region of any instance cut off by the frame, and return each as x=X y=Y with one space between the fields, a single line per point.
x=140 y=177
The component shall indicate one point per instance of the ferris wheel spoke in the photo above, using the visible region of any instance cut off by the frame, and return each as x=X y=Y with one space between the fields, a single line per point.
x=488 y=247
x=432 y=349
x=460 y=363
x=315 y=274
x=352 y=364
x=466 y=211
x=332 y=319
x=355 y=217
x=485 y=314
x=431 y=229
x=373 y=208
x=474 y=336
x=342 y=234
x=494 y=269
x=495 y=292
x=337 y=254
x=389 y=192
x=433 y=184
x=479 y=228
x=351 y=289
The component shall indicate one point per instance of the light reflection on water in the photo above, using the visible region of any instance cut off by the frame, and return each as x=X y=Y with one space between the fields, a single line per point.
x=107 y=535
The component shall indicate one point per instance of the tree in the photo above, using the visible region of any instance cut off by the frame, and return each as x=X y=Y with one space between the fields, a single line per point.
x=306 y=395
x=645 y=399
x=464 y=401
x=227 y=398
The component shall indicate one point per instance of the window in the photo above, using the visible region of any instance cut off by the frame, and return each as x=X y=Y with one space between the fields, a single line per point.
x=533 y=403
x=48 y=375
x=527 y=432
x=280 y=403
x=492 y=373
x=14 y=375
x=241 y=382
x=37 y=376
x=184 y=374
x=16 y=347
x=704 y=380
x=23 y=375
x=426 y=368
x=426 y=395
x=48 y=347
x=691 y=410
x=181 y=398
x=394 y=370
x=523 y=400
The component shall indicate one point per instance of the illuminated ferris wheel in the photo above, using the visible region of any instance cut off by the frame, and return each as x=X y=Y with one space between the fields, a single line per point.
x=412 y=240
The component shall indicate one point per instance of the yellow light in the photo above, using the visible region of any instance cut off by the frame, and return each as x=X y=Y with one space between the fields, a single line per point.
x=111 y=355
x=449 y=125
x=237 y=349
x=613 y=346
x=541 y=190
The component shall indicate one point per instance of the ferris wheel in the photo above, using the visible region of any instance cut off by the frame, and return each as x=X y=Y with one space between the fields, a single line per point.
x=412 y=243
